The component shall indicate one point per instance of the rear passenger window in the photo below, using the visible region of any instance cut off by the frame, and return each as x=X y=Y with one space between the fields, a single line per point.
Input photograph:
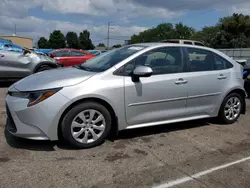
x=221 y=63
x=203 y=60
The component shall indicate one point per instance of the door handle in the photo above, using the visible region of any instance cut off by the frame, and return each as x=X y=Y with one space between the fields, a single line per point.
x=181 y=81
x=221 y=76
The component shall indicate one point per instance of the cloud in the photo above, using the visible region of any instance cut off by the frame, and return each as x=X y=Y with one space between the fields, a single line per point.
x=36 y=27
x=124 y=14
x=181 y=5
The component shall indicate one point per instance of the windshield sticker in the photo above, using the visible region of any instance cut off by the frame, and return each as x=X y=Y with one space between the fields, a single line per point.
x=135 y=48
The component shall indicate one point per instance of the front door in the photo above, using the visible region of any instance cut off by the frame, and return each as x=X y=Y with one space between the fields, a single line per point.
x=208 y=76
x=160 y=97
x=63 y=57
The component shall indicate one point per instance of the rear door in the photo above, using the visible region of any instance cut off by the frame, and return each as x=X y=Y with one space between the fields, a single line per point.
x=208 y=78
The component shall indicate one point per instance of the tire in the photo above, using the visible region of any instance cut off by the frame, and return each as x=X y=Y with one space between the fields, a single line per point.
x=86 y=128
x=233 y=111
x=43 y=68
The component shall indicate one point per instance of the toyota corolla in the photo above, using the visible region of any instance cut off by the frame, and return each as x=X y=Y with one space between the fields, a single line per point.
x=134 y=86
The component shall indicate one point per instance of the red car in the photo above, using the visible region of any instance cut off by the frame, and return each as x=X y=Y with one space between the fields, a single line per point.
x=70 y=57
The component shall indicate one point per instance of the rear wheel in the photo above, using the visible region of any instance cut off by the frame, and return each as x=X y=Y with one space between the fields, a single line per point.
x=86 y=125
x=231 y=108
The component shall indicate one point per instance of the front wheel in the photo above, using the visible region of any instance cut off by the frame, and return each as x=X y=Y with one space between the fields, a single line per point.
x=86 y=125
x=231 y=108
x=43 y=68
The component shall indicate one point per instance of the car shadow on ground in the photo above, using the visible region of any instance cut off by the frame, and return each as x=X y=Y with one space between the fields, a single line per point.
x=35 y=145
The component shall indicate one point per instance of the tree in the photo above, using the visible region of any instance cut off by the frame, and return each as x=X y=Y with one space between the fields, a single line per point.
x=57 y=40
x=182 y=31
x=236 y=29
x=43 y=43
x=72 y=40
x=101 y=45
x=163 y=31
x=117 y=46
x=85 y=41
x=210 y=36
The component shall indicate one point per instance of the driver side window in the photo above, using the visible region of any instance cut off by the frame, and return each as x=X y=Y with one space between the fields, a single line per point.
x=167 y=60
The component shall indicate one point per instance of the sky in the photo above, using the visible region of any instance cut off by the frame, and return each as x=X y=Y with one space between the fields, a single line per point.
x=38 y=18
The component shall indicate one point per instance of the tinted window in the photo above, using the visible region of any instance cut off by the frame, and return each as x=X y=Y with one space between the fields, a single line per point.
x=198 y=44
x=171 y=41
x=187 y=42
x=161 y=60
x=221 y=63
x=76 y=53
x=62 y=54
x=203 y=60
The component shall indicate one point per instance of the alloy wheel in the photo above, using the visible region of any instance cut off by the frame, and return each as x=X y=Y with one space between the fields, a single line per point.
x=232 y=108
x=88 y=126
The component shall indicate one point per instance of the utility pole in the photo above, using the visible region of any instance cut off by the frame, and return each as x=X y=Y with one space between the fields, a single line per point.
x=15 y=29
x=108 y=35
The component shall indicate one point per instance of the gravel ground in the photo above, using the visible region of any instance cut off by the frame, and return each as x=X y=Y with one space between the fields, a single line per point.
x=137 y=158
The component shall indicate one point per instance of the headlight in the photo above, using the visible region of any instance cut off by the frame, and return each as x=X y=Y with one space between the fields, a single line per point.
x=35 y=97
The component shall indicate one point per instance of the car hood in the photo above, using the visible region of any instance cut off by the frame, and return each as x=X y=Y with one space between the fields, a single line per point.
x=53 y=78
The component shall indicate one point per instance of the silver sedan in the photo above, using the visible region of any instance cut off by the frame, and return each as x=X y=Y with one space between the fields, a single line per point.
x=15 y=65
x=134 y=86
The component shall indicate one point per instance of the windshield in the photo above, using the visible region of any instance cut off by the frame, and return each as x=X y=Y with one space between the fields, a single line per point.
x=109 y=59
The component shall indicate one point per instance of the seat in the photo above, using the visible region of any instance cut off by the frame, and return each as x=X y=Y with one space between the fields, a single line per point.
x=209 y=62
x=140 y=61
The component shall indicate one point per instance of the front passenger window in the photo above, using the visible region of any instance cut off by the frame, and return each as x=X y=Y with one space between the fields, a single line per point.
x=162 y=60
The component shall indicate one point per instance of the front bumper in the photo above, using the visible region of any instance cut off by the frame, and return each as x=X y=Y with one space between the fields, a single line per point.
x=39 y=122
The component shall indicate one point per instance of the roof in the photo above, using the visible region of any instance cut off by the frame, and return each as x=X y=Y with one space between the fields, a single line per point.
x=162 y=44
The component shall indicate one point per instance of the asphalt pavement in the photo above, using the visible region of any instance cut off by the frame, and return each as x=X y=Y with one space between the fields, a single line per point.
x=190 y=154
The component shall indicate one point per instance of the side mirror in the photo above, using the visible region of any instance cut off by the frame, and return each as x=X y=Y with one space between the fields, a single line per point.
x=142 y=71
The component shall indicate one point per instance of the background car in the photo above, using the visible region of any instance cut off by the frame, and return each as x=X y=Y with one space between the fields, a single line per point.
x=130 y=87
x=70 y=57
x=18 y=65
x=7 y=45
x=182 y=41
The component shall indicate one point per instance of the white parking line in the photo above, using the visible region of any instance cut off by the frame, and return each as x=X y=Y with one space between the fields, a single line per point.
x=197 y=175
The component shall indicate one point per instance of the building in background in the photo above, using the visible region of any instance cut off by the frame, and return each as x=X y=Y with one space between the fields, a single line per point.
x=22 y=41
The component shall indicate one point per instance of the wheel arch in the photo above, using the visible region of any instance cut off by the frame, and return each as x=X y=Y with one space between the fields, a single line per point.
x=114 y=129
x=45 y=63
x=242 y=93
